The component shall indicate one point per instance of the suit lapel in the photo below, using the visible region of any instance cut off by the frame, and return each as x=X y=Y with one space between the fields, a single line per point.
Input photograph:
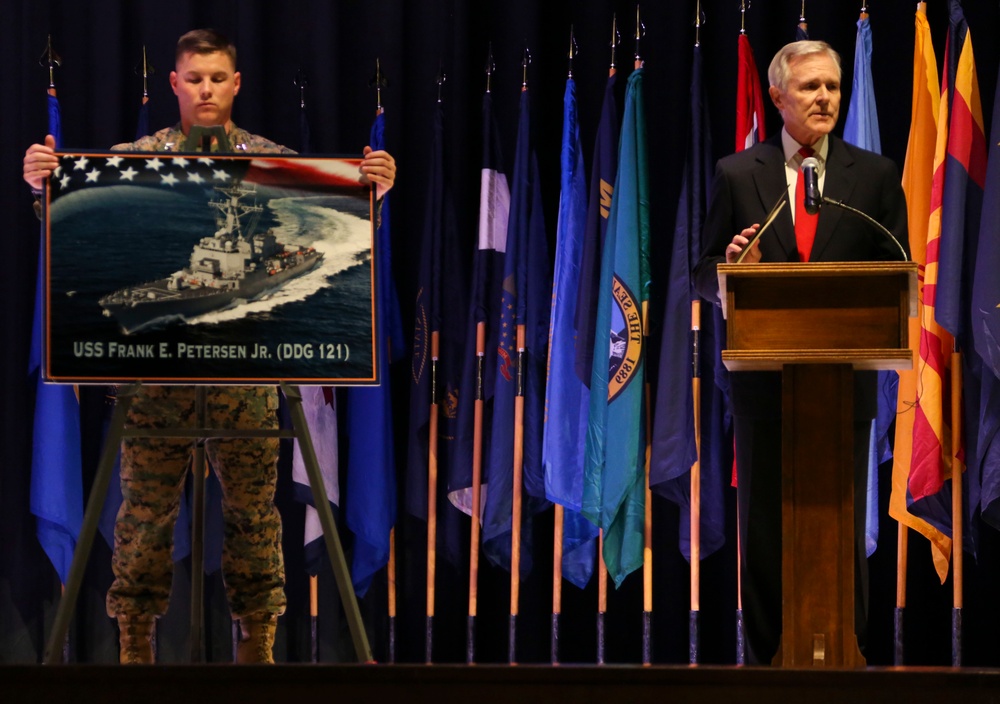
x=770 y=183
x=838 y=185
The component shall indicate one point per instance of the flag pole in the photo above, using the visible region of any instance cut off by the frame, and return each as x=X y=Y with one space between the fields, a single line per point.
x=432 y=472
x=515 y=535
x=557 y=541
x=391 y=579
x=602 y=567
x=477 y=479
x=647 y=553
x=313 y=618
x=956 y=509
x=695 y=516
x=902 y=543
x=50 y=60
x=559 y=513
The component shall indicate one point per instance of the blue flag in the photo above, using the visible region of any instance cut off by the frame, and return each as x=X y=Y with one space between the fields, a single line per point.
x=56 y=466
x=673 y=444
x=484 y=314
x=370 y=503
x=986 y=331
x=614 y=474
x=602 y=186
x=524 y=304
x=861 y=130
x=567 y=397
x=438 y=340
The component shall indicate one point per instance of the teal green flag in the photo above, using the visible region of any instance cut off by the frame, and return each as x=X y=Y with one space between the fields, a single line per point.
x=614 y=469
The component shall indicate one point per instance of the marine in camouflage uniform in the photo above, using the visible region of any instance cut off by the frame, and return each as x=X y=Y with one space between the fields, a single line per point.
x=153 y=472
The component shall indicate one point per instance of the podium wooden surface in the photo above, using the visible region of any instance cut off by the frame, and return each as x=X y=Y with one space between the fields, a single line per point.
x=817 y=323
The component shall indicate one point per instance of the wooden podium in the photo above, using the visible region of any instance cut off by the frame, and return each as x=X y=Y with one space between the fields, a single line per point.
x=817 y=323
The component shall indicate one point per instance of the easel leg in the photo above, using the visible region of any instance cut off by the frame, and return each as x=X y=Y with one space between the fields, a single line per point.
x=334 y=549
x=98 y=492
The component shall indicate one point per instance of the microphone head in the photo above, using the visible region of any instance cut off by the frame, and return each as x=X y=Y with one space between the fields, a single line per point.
x=810 y=162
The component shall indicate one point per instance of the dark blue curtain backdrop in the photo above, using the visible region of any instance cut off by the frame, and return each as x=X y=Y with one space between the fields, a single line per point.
x=335 y=43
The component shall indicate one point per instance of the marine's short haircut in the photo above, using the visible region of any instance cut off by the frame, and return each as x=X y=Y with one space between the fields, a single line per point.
x=205 y=41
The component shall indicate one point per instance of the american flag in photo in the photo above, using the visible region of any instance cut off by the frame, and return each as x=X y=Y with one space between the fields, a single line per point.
x=80 y=171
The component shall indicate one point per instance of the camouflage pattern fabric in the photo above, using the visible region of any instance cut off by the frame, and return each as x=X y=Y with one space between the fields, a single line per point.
x=153 y=472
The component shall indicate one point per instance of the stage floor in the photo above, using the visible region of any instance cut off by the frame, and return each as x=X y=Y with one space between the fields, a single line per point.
x=491 y=684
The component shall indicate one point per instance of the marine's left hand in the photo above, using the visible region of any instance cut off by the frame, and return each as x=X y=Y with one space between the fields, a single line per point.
x=379 y=168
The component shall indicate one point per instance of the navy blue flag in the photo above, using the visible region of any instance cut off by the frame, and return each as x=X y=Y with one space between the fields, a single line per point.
x=524 y=302
x=484 y=312
x=370 y=501
x=441 y=281
x=673 y=446
x=602 y=186
x=56 y=466
x=567 y=399
x=986 y=331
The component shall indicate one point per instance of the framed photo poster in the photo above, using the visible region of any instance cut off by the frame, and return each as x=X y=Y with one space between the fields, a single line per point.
x=214 y=269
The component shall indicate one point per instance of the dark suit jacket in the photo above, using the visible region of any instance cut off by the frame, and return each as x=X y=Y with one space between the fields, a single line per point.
x=748 y=184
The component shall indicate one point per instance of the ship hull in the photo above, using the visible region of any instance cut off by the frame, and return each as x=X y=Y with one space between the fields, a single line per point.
x=169 y=305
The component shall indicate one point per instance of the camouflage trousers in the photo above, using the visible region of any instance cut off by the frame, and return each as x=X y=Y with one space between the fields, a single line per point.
x=153 y=471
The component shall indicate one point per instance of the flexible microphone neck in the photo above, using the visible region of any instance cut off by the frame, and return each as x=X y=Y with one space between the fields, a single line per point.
x=867 y=218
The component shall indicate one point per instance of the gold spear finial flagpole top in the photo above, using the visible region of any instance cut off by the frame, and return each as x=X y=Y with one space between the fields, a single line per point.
x=640 y=32
x=301 y=82
x=378 y=81
x=744 y=6
x=50 y=60
x=699 y=21
x=616 y=38
x=525 y=62
x=146 y=70
x=802 y=13
x=490 y=66
x=573 y=50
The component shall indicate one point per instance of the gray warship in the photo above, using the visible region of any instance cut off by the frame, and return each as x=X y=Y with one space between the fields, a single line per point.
x=228 y=268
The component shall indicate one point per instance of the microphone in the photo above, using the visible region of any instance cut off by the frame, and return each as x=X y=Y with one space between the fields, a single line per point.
x=810 y=172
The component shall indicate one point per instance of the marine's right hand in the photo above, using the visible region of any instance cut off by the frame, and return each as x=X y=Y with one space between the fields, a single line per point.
x=39 y=162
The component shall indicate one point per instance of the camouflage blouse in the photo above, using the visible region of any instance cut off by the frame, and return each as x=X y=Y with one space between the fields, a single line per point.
x=171 y=139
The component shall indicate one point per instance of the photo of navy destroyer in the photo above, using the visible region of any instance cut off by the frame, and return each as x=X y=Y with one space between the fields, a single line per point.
x=230 y=267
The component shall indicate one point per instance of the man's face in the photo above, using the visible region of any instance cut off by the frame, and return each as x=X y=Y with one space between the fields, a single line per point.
x=810 y=102
x=205 y=85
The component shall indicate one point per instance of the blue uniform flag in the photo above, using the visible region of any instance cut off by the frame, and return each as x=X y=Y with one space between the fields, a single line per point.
x=524 y=302
x=986 y=331
x=673 y=449
x=614 y=473
x=370 y=501
x=861 y=130
x=56 y=466
x=567 y=397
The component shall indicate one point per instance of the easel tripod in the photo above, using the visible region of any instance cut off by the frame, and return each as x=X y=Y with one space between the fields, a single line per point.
x=88 y=530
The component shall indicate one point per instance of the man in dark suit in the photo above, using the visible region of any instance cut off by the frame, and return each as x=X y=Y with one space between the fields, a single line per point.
x=805 y=87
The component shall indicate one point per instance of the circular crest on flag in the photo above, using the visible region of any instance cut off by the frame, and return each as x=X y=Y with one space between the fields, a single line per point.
x=625 y=351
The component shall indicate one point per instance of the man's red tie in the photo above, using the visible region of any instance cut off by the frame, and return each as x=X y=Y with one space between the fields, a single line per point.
x=805 y=224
